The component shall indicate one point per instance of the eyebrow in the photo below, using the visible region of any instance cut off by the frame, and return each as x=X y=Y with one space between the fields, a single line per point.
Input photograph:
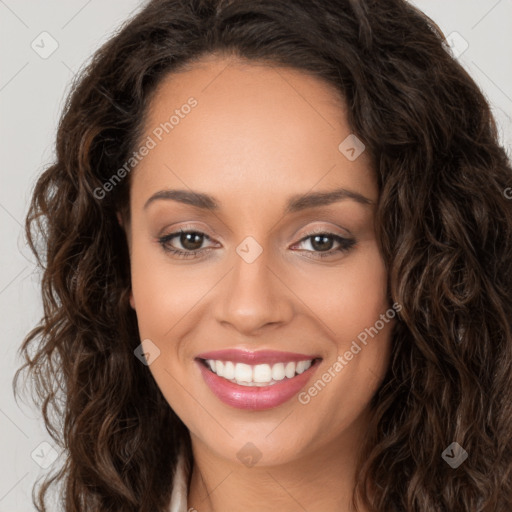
x=295 y=203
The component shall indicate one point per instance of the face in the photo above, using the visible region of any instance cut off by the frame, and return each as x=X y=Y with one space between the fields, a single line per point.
x=270 y=288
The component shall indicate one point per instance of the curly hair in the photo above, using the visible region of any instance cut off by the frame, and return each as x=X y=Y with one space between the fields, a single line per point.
x=443 y=222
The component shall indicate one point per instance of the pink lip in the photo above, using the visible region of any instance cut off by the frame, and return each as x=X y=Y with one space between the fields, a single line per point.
x=259 y=357
x=255 y=398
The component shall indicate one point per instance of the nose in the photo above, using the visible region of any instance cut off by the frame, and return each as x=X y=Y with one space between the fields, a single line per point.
x=254 y=297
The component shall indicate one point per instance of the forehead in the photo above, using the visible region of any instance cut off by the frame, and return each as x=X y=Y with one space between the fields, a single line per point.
x=254 y=130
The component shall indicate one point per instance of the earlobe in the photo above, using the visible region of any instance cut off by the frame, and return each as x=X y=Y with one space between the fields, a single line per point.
x=132 y=301
x=120 y=218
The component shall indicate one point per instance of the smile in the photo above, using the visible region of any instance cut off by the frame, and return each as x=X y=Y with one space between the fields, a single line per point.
x=257 y=375
x=256 y=380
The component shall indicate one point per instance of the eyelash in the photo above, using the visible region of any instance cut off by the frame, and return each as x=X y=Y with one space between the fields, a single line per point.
x=345 y=244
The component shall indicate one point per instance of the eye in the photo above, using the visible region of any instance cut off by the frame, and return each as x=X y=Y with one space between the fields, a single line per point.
x=322 y=243
x=189 y=240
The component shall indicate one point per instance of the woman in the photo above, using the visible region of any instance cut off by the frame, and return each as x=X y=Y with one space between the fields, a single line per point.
x=276 y=267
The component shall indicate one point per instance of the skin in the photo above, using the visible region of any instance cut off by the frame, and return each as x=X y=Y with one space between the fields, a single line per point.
x=258 y=136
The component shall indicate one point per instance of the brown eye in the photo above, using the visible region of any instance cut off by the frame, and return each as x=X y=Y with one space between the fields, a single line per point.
x=322 y=244
x=190 y=241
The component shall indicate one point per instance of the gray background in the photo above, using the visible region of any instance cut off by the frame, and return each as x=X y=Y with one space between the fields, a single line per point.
x=32 y=92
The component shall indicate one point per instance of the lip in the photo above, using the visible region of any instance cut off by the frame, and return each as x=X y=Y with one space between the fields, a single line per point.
x=255 y=398
x=258 y=357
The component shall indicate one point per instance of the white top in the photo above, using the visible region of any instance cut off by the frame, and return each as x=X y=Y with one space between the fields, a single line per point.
x=179 y=494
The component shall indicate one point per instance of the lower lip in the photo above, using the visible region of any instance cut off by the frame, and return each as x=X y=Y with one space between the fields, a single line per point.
x=256 y=398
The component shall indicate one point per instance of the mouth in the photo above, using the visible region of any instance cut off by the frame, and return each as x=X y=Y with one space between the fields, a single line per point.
x=259 y=375
x=240 y=379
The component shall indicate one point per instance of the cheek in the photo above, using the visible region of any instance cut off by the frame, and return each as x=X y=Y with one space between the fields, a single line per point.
x=361 y=343
x=163 y=295
x=352 y=297
x=163 y=292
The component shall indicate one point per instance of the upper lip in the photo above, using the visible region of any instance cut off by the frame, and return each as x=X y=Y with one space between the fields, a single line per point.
x=257 y=357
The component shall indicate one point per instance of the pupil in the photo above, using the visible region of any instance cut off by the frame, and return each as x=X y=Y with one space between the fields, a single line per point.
x=321 y=246
x=186 y=238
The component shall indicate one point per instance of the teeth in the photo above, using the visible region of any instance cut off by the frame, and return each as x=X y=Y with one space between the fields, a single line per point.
x=257 y=375
x=289 y=370
x=229 y=370
x=262 y=373
x=243 y=372
x=278 y=371
x=302 y=366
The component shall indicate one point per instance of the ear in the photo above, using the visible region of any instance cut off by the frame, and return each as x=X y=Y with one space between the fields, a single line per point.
x=120 y=219
x=132 y=300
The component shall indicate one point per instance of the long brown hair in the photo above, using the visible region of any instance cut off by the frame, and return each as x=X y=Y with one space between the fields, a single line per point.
x=444 y=223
